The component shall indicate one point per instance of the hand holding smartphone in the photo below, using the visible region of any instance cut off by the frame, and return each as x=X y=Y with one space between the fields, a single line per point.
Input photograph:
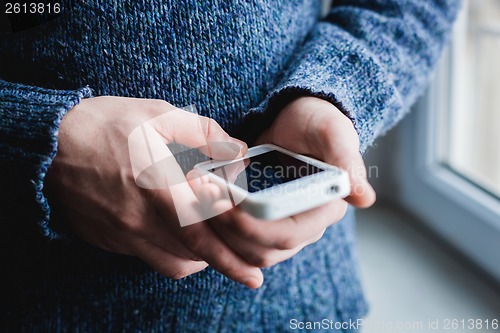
x=270 y=182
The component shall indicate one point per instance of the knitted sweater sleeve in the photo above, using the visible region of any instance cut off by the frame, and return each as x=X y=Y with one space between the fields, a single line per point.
x=372 y=59
x=29 y=122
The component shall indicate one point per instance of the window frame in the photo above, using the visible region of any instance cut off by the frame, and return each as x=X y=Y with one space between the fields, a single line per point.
x=464 y=214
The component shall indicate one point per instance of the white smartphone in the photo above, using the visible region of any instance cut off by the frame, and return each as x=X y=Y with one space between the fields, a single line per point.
x=270 y=182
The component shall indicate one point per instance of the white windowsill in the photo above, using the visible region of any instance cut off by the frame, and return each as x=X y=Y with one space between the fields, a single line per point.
x=410 y=277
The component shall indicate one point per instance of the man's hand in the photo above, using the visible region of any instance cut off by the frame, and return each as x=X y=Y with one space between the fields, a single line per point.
x=93 y=179
x=315 y=127
x=309 y=126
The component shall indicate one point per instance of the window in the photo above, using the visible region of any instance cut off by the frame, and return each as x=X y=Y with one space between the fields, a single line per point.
x=448 y=150
x=473 y=145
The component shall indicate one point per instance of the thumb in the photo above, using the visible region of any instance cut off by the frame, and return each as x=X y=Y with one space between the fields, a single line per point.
x=362 y=194
x=198 y=132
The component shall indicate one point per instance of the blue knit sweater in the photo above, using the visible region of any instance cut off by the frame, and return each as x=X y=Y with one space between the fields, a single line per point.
x=239 y=61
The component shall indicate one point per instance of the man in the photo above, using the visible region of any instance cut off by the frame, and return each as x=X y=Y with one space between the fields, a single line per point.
x=265 y=72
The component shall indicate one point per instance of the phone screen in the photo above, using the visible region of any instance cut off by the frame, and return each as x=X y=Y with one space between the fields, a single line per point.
x=265 y=170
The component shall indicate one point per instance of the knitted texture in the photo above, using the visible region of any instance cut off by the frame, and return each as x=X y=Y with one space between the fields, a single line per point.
x=240 y=62
x=29 y=126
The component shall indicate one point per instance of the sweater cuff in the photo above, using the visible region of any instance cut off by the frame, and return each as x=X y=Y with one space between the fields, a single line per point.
x=340 y=70
x=29 y=127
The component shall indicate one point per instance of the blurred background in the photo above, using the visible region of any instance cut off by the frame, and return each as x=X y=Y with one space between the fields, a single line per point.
x=430 y=248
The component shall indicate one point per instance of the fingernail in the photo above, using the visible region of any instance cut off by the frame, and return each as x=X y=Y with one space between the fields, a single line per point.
x=234 y=147
x=241 y=145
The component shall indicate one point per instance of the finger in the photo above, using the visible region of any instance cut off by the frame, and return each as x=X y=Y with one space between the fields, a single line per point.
x=167 y=263
x=196 y=131
x=284 y=233
x=180 y=202
x=157 y=232
x=362 y=194
x=121 y=241
x=201 y=240
x=231 y=171
x=116 y=237
x=227 y=175
x=148 y=151
x=340 y=147
x=207 y=193
x=196 y=179
x=258 y=255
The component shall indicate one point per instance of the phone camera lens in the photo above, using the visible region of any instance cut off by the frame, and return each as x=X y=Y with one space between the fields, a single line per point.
x=334 y=189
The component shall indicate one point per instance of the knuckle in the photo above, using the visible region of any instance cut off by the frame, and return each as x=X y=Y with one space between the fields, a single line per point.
x=160 y=104
x=193 y=241
x=127 y=222
x=193 y=257
x=158 y=108
x=323 y=132
x=203 y=126
x=288 y=243
x=212 y=129
x=247 y=230
x=262 y=260
x=318 y=237
x=132 y=226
